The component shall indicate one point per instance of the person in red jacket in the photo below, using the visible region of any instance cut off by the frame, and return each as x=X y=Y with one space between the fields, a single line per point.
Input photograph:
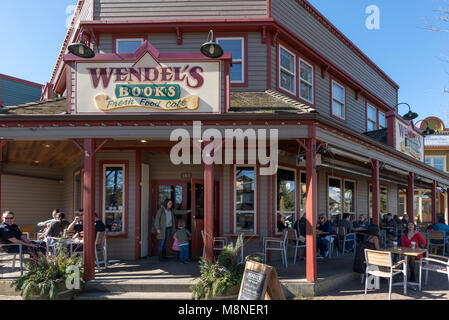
x=406 y=241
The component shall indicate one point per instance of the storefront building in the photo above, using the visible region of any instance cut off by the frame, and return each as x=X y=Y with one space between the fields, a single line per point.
x=106 y=145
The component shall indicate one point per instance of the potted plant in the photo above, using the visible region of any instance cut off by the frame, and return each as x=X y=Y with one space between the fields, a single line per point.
x=47 y=275
x=220 y=280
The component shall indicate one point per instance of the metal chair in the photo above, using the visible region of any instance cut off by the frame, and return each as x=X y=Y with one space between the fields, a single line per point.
x=440 y=239
x=219 y=243
x=20 y=253
x=282 y=246
x=293 y=236
x=375 y=259
x=101 y=246
x=433 y=263
x=347 y=238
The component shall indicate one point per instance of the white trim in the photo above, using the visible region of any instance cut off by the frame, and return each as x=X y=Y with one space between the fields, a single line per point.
x=242 y=60
x=280 y=69
x=296 y=200
x=338 y=101
x=126 y=39
x=123 y=211
x=305 y=81
x=254 y=211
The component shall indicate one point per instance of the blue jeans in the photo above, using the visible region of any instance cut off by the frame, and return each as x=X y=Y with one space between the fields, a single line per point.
x=163 y=242
x=350 y=245
x=184 y=252
x=322 y=245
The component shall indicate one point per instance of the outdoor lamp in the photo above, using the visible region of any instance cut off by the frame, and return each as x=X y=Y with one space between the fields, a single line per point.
x=210 y=48
x=80 y=49
x=428 y=130
x=409 y=115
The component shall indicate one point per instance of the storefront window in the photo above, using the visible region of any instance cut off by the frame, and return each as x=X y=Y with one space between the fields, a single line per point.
x=287 y=70
x=114 y=205
x=338 y=100
x=245 y=211
x=236 y=47
x=334 y=197
x=349 y=196
x=78 y=188
x=306 y=81
x=383 y=200
x=286 y=199
x=127 y=45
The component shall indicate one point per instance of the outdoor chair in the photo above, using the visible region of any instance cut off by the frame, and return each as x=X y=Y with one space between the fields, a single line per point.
x=219 y=243
x=433 y=263
x=276 y=244
x=101 y=247
x=14 y=255
x=436 y=239
x=297 y=244
x=375 y=259
x=347 y=238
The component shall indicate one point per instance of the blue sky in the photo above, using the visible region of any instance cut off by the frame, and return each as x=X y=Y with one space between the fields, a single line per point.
x=32 y=33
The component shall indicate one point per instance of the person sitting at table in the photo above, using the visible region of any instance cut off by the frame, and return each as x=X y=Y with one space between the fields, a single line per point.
x=10 y=234
x=406 y=241
x=346 y=224
x=390 y=225
x=323 y=241
x=442 y=226
x=47 y=223
x=362 y=222
x=77 y=226
x=57 y=228
x=370 y=241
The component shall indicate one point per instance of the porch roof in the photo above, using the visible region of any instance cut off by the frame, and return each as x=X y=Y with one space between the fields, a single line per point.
x=51 y=106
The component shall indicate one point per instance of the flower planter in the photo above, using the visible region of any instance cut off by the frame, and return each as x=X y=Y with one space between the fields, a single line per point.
x=63 y=294
x=231 y=294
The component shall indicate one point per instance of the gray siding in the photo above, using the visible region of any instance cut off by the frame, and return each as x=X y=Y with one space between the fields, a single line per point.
x=31 y=199
x=298 y=20
x=13 y=93
x=175 y=9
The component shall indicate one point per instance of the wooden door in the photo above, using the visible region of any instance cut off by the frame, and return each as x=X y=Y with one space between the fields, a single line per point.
x=175 y=191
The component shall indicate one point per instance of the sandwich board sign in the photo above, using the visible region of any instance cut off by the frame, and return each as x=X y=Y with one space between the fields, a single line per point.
x=260 y=282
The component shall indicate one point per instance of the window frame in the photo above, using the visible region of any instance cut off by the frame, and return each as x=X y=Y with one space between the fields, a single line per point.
x=341 y=194
x=295 y=75
x=103 y=165
x=312 y=84
x=378 y=119
x=296 y=194
x=344 y=119
x=354 y=196
x=370 y=204
x=368 y=119
x=432 y=157
x=126 y=38
x=244 y=38
x=255 y=210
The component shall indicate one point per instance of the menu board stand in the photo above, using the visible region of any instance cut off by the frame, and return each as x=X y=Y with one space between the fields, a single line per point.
x=260 y=282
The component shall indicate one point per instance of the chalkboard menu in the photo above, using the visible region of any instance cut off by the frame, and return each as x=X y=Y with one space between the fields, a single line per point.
x=260 y=282
x=253 y=286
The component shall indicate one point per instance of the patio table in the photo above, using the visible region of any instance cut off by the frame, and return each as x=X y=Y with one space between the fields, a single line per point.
x=407 y=252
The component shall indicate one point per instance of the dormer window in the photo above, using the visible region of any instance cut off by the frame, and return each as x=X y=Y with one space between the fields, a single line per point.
x=338 y=100
x=287 y=70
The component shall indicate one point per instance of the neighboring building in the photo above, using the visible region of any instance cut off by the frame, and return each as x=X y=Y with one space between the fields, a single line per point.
x=342 y=146
x=14 y=91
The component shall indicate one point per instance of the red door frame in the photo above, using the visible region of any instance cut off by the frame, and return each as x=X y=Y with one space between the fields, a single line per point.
x=154 y=194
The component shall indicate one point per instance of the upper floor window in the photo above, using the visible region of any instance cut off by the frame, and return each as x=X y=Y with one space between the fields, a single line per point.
x=237 y=48
x=375 y=119
x=287 y=70
x=127 y=45
x=338 y=100
x=305 y=81
x=371 y=118
x=438 y=162
x=382 y=120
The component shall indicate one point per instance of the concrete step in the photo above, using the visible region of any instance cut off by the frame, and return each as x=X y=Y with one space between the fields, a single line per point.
x=140 y=286
x=96 y=295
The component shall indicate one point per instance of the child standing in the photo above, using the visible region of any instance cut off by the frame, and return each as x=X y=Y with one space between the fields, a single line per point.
x=183 y=236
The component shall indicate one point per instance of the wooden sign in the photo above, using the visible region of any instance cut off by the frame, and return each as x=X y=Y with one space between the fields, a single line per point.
x=260 y=282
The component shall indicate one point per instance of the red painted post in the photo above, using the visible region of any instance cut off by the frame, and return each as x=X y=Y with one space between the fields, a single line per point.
x=375 y=165
x=137 y=239
x=209 y=211
x=434 y=202
x=89 y=210
x=411 y=196
x=311 y=210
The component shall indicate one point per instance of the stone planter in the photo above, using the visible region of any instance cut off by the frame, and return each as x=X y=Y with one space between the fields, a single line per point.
x=63 y=294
